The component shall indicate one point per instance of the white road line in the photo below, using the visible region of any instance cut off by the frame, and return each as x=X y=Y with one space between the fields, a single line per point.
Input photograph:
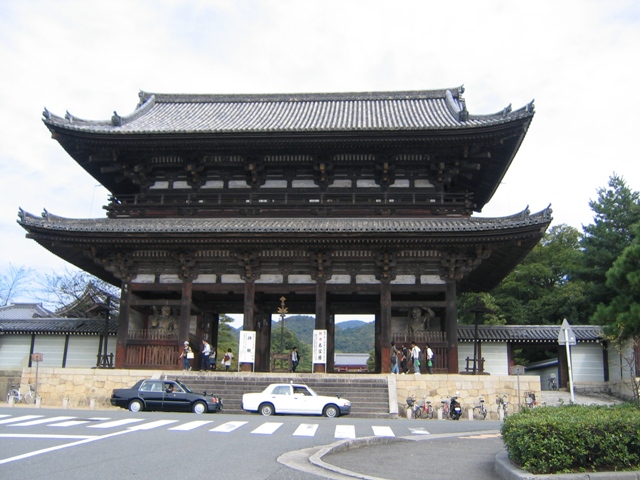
x=306 y=430
x=19 y=419
x=40 y=421
x=36 y=435
x=185 y=427
x=60 y=447
x=151 y=425
x=116 y=423
x=383 y=432
x=70 y=423
x=345 y=431
x=2 y=416
x=228 y=427
x=419 y=431
x=267 y=428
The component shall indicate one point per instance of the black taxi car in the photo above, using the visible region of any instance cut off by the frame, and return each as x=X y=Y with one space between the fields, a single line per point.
x=165 y=395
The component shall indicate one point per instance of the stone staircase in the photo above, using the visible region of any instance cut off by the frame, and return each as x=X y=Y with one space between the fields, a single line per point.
x=369 y=394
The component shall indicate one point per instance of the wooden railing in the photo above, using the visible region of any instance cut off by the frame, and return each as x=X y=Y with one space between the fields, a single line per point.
x=152 y=334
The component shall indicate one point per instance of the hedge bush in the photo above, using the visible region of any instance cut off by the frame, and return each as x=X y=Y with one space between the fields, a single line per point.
x=574 y=438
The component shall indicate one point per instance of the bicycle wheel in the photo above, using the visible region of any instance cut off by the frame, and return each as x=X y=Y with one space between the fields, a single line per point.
x=478 y=414
x=430 y=413
x=13 y=394
x=417 y=412
x=29 y=398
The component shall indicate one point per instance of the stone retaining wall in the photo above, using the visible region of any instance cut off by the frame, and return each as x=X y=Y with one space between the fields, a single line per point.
x=471 y=388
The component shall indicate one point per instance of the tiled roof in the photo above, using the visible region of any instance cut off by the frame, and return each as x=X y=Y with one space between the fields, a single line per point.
x=281 y=225
x=57 y=326
x=527 y=333
x=324 y=112
x=24 y=311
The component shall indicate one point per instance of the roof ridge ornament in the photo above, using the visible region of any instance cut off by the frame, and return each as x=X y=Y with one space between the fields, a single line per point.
x=116 y=120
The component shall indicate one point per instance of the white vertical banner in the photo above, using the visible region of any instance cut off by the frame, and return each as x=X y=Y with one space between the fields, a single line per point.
x=247 y=347
x=320 y=346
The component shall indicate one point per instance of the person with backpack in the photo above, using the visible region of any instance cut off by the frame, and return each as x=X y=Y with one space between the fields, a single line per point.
x=404 y=359
x=228 y=356
x=429 y=357
x=394 y=358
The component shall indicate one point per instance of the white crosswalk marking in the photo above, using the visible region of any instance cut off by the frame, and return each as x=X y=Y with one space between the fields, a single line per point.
x=150 y=425
x=70 y=423
x=2 y=416
x=228 y=427
x=191 y=425
x=116 y=423
x=267 y=428
x=19 y=419
x=419 y=431
x=40 y=421
x=345 y=431
x=383 y=432
x=306 y=430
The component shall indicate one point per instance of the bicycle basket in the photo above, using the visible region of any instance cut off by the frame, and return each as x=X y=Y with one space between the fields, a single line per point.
x=410 y=401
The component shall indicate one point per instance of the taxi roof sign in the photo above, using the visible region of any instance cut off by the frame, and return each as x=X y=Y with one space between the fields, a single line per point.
x=566 y=335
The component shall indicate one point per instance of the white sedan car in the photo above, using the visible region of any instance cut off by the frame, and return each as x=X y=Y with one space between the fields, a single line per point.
x=295 y=399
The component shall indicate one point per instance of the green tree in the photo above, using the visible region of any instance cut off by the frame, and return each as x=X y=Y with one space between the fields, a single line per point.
x=615 y=211
x=290 y=341
x=226 y=339
x=543 y=288
x=622 y=314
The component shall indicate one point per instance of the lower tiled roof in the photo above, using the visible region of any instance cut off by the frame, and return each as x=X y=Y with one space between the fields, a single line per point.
x=57 y=326
x=527 y=333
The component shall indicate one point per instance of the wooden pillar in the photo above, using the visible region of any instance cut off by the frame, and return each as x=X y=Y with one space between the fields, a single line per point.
x=321 y=322
x=185 y=312
x=263 y=342
x=249 y=314
x=215 y=332
x=451 y=326
x=331 y=342
x=123 y=325
x=383 y=339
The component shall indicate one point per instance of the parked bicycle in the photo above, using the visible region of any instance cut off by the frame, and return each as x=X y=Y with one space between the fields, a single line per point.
x=502 y=405
x=29 y=397
x=480 y=411
x=427 y=408
x=445 y=408
x=553 y=385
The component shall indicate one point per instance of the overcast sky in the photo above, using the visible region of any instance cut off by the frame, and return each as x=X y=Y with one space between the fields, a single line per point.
x=577 y=58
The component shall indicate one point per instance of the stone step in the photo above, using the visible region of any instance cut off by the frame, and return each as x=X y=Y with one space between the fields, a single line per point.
x=369 y=396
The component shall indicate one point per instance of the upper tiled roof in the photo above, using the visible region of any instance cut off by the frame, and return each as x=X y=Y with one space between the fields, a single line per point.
x=527 y=333
x=281 y=225
x=324 y=112
x=51 y=326
x=24 y=311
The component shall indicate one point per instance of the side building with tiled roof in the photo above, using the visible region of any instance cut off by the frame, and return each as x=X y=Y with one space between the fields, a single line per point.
x=346 y=203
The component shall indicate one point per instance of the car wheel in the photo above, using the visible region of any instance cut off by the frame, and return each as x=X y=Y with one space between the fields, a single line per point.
x=331 y=411
x=199 y=408
x=266 y=409
x=135 y=405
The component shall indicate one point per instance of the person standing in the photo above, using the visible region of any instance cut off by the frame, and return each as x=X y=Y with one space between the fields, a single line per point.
x=228 y=356
x=212 y=359
x=404 y=361
x=206 y=353
x=394 y=358
x=429 y=356
x=295 y=359
x=186 y=355
x=415 y=356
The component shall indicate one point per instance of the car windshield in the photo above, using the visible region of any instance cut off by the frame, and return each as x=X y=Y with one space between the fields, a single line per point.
x=304 y=390
x=184 y=387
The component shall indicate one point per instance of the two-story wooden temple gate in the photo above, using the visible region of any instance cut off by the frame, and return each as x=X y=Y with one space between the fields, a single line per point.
x=356 y=203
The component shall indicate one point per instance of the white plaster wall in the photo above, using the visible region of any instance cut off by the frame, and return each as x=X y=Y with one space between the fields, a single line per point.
x=14 y=351
x=52 y=349
x=587 y=363
x=494 y=354
x=83 y=350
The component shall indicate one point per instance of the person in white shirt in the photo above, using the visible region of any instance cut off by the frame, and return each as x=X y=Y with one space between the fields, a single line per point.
x=429 y=355
x=415 y=356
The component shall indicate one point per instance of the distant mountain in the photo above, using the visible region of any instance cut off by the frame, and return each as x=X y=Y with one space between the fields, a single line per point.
x=350 y=324
x=352 y=336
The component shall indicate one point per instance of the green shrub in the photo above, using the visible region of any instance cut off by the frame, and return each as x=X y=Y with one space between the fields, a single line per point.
x=574 y=438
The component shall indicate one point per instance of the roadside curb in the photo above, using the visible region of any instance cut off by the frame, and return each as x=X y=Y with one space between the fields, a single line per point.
x=506 y=470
